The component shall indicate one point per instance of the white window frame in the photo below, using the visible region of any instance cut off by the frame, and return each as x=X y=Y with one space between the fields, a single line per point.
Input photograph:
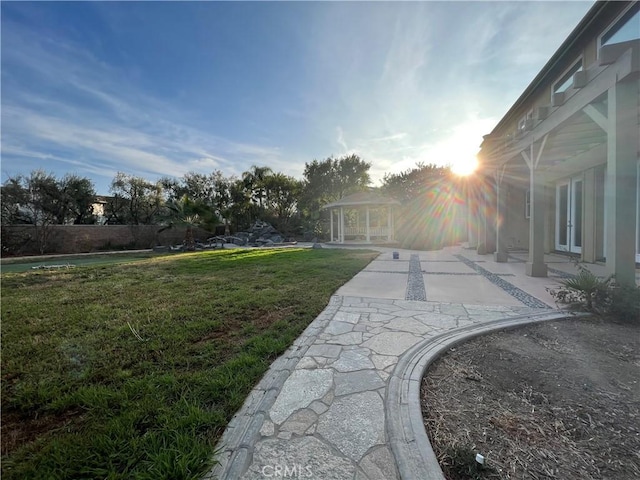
x=567 y=75
x=614 y=24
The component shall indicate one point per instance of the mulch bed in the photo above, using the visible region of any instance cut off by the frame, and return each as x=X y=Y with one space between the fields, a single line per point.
x=557 y=400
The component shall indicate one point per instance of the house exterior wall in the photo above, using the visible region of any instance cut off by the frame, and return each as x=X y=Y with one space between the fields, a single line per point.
x=518 y=233
x=586 y=47
x=584 y=139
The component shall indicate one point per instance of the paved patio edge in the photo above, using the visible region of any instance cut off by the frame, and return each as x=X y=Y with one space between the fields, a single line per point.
x=408 y=438
x=233 y=449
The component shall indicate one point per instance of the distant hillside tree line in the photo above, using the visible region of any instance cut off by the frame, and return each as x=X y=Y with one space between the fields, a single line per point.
x=208 y=200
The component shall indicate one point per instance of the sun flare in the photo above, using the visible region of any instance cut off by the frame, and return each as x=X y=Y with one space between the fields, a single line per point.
x=464 y=167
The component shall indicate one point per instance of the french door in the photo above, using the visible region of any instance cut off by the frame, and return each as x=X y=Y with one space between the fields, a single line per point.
x=569 y=195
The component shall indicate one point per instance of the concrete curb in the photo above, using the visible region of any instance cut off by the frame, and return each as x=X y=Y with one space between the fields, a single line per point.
x=408 y=438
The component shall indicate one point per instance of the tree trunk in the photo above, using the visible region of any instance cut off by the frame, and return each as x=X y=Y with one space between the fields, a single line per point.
x=189 y=242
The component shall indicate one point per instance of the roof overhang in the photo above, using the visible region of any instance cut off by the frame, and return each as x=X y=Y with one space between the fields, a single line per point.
x=601 y=11
x=576 y=126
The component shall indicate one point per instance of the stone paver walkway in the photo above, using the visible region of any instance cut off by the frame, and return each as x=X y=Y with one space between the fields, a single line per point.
x=320 y=412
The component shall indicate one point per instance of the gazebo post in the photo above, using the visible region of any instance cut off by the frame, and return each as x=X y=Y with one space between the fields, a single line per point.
x=358 y=202
x=368 y=234
x=331 y=224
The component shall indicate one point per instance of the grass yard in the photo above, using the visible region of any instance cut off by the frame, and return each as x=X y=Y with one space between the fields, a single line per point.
x=25 y=264
x=133 y=370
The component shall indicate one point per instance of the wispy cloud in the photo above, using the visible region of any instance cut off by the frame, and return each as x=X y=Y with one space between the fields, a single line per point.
x=448 y=73
x=97 y=122
x=340 y=140
x=395 y=82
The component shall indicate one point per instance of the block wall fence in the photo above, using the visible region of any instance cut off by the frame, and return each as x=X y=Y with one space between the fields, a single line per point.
x=22 y=239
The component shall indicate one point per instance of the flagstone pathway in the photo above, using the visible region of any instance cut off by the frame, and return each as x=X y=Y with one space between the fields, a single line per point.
x=322 y=409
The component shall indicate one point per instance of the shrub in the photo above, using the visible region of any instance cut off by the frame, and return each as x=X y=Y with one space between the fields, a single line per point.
x=587 y=292
x=584 y=291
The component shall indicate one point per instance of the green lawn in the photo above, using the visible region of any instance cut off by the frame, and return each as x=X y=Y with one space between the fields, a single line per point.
x=133 y=370
x=14 y=266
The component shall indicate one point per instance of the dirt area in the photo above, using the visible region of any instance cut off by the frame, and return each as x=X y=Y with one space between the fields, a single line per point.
x=18 y=430
x=553 y=400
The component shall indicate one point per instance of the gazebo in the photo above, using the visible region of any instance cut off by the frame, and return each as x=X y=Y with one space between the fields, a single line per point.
x=364 y=217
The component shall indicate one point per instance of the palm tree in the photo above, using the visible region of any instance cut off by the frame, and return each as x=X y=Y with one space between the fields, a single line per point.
x=254 y=180
x=181 y=214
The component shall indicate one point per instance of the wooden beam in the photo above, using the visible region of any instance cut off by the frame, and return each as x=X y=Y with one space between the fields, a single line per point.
x=544 y=142
x=598 y=118
x=601 y=78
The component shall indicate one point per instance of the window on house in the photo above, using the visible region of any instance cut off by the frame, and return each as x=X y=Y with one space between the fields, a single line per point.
x=567 y=79
x=527 y=204
x=523 y=121
x=624 y=28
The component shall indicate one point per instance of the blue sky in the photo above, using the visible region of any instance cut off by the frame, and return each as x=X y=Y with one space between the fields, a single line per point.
x=165 y=88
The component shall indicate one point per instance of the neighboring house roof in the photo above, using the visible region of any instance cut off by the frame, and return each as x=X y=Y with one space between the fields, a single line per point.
x=362 y=198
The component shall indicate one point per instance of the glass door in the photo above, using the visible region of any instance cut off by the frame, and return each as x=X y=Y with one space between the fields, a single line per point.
x=575 y=207
x=569 y=195
x=562 y=216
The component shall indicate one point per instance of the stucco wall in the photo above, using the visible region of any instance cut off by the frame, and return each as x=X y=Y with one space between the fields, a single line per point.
x=517 y=224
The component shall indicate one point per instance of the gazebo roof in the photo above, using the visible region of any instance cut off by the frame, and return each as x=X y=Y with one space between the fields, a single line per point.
x=362 y=198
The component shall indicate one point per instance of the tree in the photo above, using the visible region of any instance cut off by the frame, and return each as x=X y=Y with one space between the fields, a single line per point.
x=318 y=185
x=172 y=189
x=239 y=204
x=255 y=181
x=183 y=212
x=328 y=181
x=210 y=191
x=433 y=208
x=283 y=193
x=77 y=196
x=42 y=200
x=199 y=187
x=222 y=200
x=414 y=182
x=332 y=179
x=351 y=175
x=34 y=200
x=14 y=198
x=135 y=200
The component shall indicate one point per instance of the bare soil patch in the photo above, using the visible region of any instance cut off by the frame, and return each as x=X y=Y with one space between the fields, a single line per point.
x=552 y=400
x=19 y=430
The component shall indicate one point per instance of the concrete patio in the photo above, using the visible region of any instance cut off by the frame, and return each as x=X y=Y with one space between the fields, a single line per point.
x=343 y=402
